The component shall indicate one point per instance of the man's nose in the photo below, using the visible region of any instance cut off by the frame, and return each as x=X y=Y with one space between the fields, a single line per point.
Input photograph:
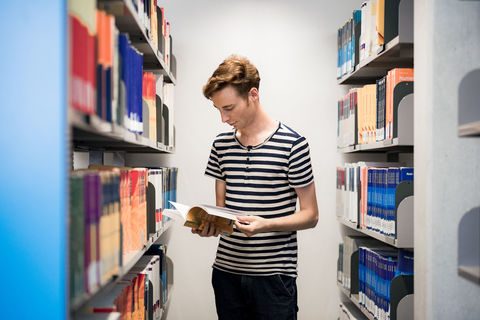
x=224 y=117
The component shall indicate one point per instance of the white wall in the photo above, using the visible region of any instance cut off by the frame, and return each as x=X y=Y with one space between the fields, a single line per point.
x=293 y=45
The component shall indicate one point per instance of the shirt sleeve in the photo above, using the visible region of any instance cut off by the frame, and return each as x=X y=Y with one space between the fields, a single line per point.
x=214 y=169
x=300 y=172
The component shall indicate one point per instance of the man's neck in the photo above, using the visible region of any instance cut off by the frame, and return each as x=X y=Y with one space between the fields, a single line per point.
x=258 y=130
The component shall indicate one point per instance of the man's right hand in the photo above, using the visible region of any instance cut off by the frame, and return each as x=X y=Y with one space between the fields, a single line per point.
x=209 y=230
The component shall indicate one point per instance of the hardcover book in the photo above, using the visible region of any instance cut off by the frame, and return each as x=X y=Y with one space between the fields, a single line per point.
x=197 y=216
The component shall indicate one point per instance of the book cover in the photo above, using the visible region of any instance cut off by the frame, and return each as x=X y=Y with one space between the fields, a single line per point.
x=196 y=216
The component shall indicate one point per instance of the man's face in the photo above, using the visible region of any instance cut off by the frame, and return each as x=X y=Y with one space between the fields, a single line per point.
x=234 y=109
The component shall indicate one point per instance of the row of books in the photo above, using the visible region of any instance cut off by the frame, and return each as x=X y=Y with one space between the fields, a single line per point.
x=113 y=212
x=346 y=249
x=364 y=33
x=145 y=289
x=366 y=114
x=141 y=294
x=377 y=266
x=366 y=194
x=157 y=109
x=152 y=18
x=106 y=74
x=376 y=269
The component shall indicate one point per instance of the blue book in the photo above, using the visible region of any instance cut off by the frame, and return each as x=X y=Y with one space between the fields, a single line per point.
x=405 y=263
x=360 y=274
x=393 y=222
x=385 y=201
x=98 y=72
x=406 y=174
x=108 y=100
x=139 y=90
x=342 y=66
x=390 y=205
x=125 y=79
x=379 y=198
x=339 y=53
x=374 y=199
x=369 y=198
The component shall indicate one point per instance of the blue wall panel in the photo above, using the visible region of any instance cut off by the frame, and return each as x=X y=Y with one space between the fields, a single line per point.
x=33 y=149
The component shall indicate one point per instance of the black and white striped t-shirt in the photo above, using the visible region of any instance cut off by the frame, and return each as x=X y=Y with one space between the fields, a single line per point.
x=260 y=180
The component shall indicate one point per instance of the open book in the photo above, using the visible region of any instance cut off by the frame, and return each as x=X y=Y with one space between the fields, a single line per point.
x=195 y=217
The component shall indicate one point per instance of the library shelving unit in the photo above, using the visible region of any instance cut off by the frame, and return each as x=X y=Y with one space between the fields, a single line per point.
x=396 y=53
x=95 y=136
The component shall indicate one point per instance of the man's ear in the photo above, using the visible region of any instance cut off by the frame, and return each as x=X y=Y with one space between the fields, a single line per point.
x=253 y=94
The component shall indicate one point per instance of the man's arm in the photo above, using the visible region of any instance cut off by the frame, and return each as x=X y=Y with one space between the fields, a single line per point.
x=220 y=192
x=305 y=218
x=209 y=229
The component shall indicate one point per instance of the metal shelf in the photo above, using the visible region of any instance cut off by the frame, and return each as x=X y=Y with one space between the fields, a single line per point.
x=129 y=22
x=90 y=132
x=394 y=54
x=344 y=290
x=380 y=146
x=78 y=304
x=376 y=235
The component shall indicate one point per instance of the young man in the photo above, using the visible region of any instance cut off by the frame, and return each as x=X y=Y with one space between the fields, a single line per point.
x=261 y=168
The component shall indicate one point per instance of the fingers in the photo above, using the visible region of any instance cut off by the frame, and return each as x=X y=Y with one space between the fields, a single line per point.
x=208 y=230
x=245 y=228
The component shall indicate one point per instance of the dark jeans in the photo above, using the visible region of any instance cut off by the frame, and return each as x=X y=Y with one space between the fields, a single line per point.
x=240 y=297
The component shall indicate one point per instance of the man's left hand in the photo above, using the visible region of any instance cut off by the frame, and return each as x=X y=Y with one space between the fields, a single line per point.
x=251 y=225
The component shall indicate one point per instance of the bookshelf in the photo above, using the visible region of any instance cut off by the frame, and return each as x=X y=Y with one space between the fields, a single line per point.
x=98 y=136
x=397 y=52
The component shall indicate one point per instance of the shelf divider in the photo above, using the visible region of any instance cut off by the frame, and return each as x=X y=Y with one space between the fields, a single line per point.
x=469 y=246
x=468 y=108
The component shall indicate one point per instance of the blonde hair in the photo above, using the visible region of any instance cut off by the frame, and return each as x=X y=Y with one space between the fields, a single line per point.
x=235 y=71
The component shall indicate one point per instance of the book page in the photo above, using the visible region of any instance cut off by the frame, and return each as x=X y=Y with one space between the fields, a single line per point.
x=222 y=212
